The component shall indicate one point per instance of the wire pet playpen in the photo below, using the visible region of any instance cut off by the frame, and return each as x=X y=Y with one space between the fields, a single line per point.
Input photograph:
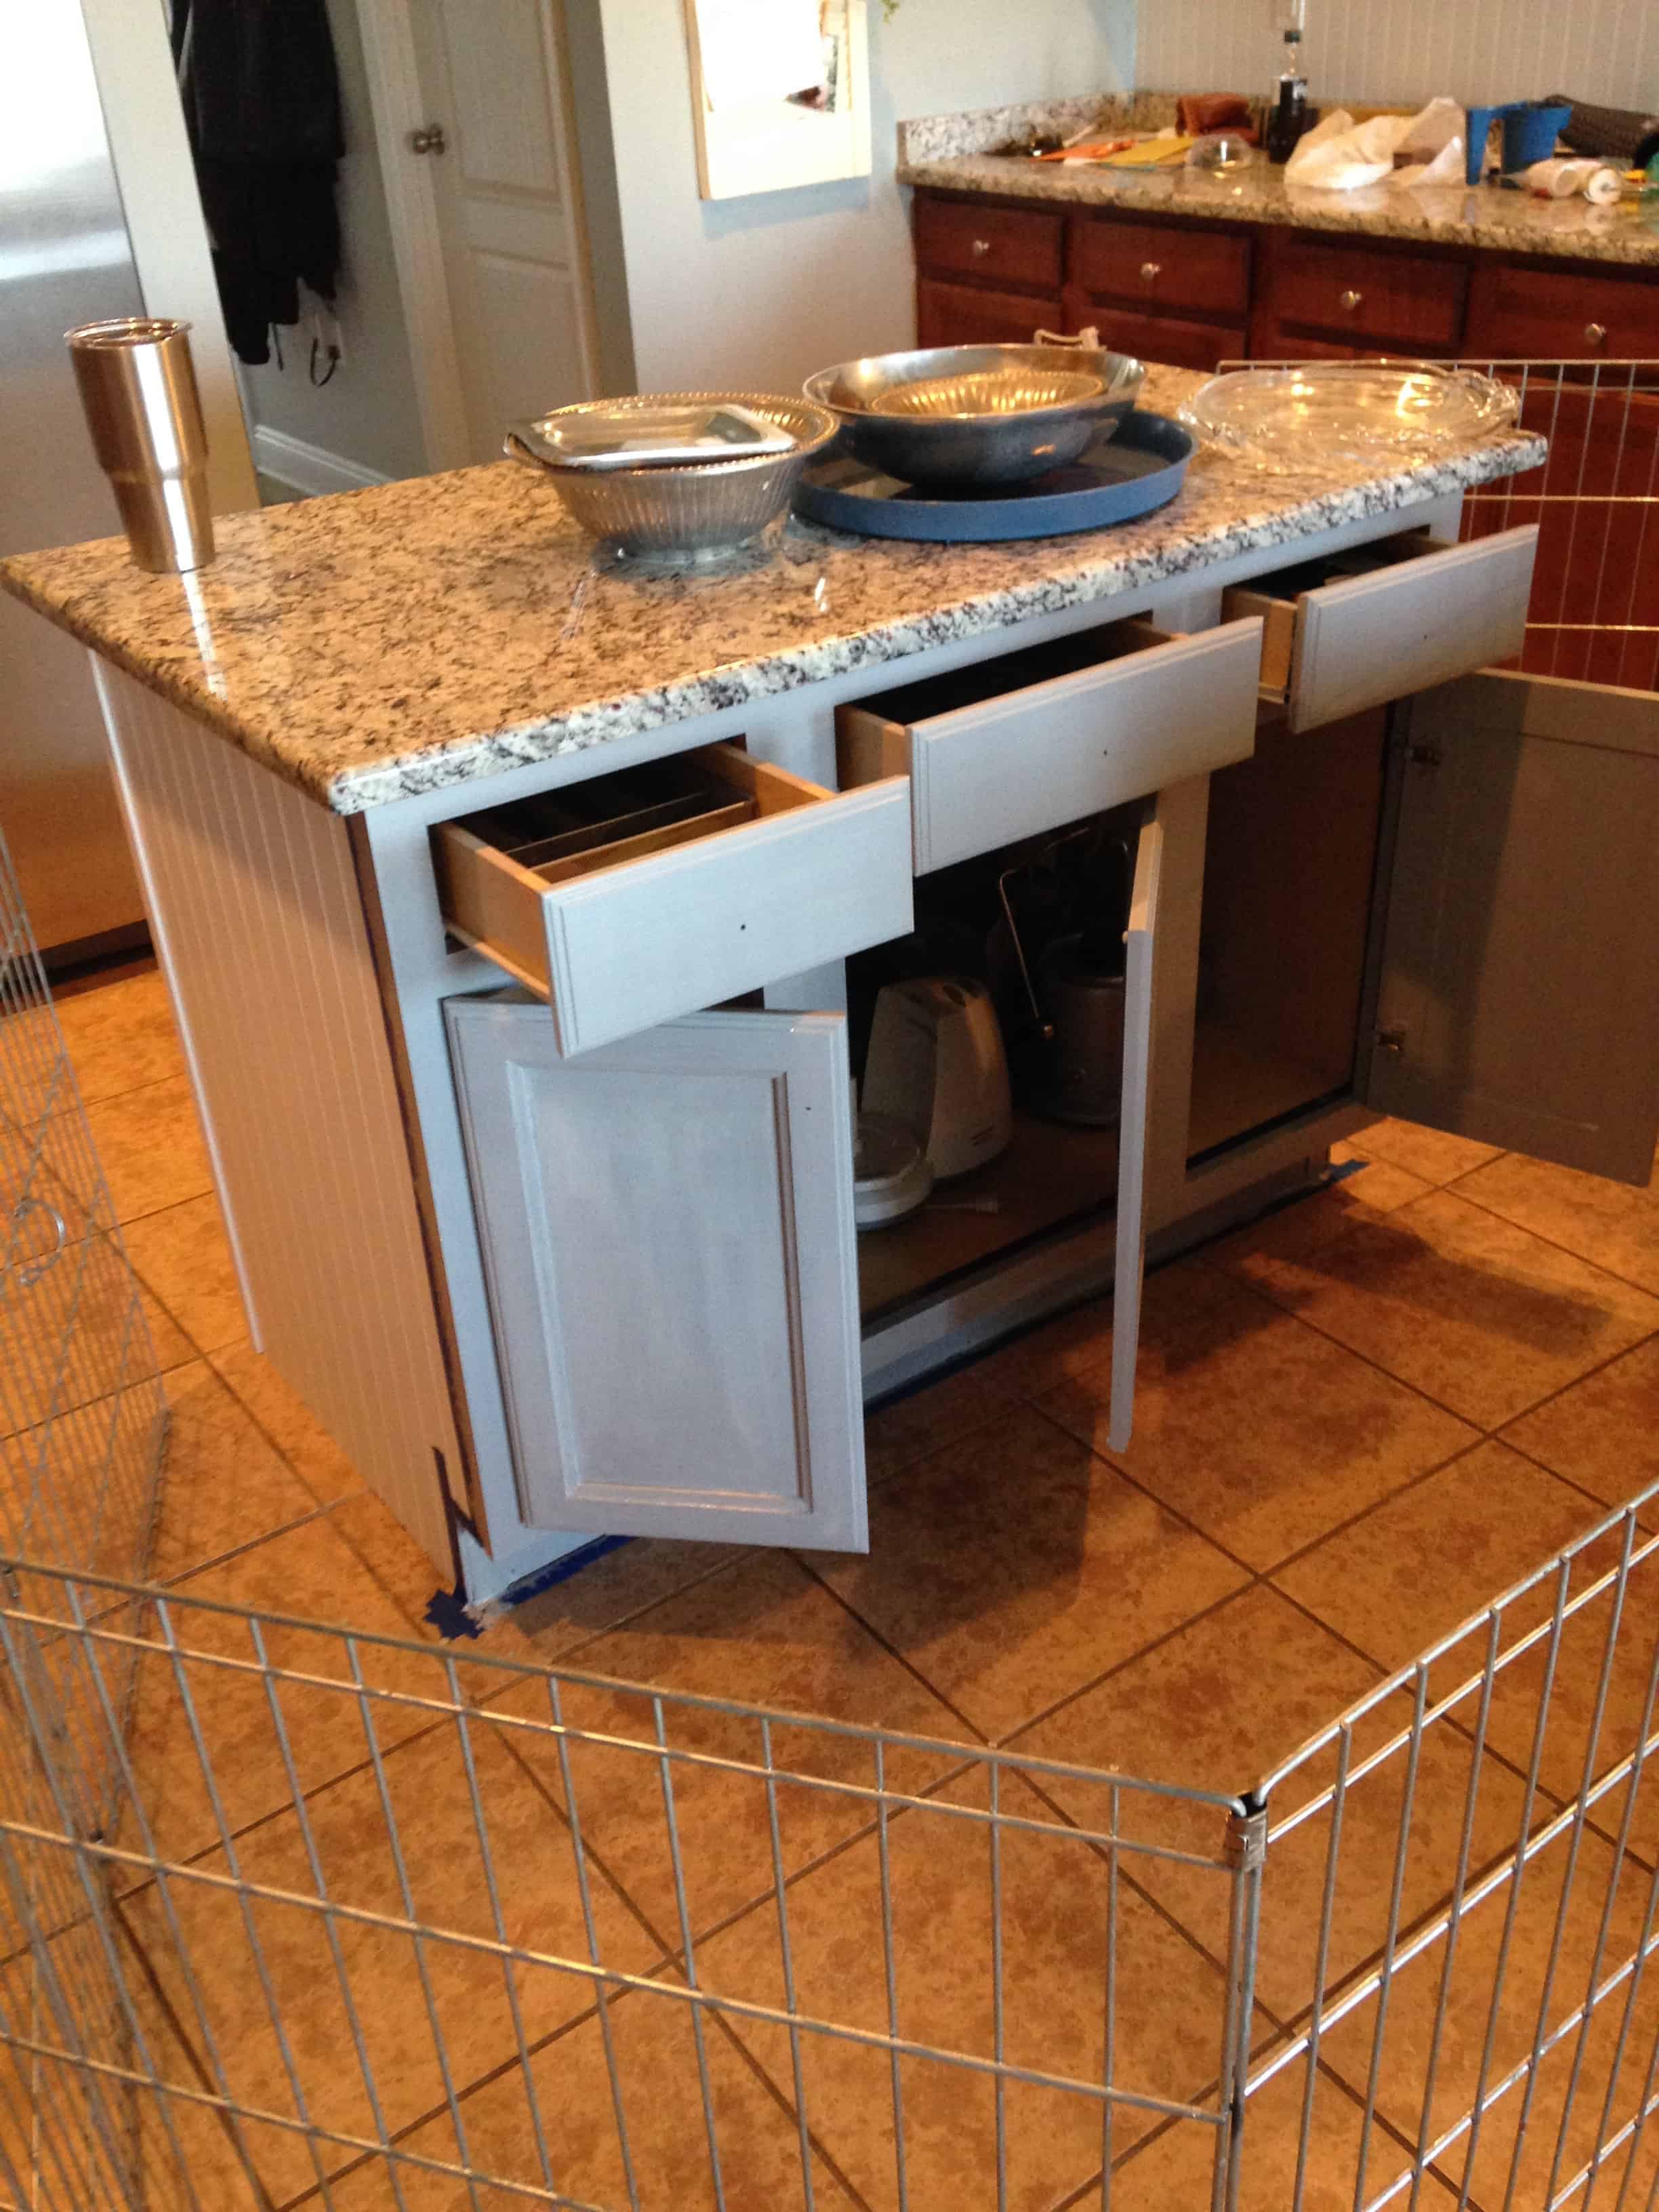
x=545 y=1939
x=872 y=1969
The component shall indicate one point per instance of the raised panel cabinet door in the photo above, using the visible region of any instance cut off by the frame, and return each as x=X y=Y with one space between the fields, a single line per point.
x=669 y=1244
x=966 y=314
x=1140 y=947
x=1519 y=997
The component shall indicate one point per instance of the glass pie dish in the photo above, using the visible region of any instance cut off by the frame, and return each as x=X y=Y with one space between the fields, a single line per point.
x=1321 y=413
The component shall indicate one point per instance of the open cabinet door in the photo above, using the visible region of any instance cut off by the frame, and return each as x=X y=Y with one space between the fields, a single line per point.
x=1519 y=993
x=1139 y=942
x=668 y=1239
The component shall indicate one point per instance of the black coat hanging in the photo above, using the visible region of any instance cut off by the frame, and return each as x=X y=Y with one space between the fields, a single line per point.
x=262 y=105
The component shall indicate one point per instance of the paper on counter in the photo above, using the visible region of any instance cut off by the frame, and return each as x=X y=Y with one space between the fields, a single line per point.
x=1342 y=156
x=757 y=50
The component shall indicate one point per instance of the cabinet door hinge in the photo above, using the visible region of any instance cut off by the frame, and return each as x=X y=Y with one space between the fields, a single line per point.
x=1393 y=1042
x=1425 y=756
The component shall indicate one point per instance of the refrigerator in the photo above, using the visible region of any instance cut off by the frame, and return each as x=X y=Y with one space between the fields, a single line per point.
x=64 y=258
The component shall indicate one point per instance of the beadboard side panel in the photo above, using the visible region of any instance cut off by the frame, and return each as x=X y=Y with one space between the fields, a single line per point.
x=259 y=925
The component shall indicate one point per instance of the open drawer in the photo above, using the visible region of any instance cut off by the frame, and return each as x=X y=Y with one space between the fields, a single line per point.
x=772 y=876
x=1383 y=620
x=1008 y=748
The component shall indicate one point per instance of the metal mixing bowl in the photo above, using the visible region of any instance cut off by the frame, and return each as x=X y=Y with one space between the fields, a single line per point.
x=985 y=414
x=703 y=508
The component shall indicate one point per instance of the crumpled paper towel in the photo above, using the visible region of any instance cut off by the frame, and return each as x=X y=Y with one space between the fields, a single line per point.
x=1342 y=156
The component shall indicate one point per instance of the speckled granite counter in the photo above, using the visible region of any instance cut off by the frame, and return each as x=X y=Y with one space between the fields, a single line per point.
x=947 y=152
x=404 y=639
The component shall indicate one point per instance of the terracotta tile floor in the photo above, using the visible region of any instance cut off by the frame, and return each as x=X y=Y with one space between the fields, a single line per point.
x=1359 y=1419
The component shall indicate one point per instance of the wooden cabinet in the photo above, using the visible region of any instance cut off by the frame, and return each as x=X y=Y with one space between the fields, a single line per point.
x=971 y=314
x=1163 y=268
x=1359 y=296
x=1021 y=247
x=1523 y=313
x=1162 y=338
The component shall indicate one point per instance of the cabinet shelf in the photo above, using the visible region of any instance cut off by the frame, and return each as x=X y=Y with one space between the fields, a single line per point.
x=1051 y=1175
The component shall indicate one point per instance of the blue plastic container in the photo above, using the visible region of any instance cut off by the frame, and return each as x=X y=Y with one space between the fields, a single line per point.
x=1531 y=128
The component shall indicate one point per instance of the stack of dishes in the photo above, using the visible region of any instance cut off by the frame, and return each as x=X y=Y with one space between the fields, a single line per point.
x=977 y=414
x=675 y=473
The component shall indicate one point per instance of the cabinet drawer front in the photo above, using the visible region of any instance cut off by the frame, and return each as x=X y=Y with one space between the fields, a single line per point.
x=1158 y=710
x=1416 y=614
x=1530 y=314
x=1376 y=297
x=1162 y=338
x=1164 y=265
x=964 y=314
x=811 y=877
x=1021 y=245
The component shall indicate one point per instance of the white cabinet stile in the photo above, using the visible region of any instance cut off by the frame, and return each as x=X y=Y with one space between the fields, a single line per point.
x=1139 y=946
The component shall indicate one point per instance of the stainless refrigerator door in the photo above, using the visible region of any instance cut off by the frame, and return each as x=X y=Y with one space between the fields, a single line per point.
x=64 y=259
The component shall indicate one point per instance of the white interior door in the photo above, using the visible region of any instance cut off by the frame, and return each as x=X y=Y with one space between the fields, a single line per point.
x=1140 y=949
x=508 y=211
x=1519 y=1001
x=668 y=1239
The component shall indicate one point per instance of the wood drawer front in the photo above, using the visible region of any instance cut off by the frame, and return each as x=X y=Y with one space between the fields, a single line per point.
x=813 y=876
x=1020 y=246
x=966 y=314
x=1415 y=614
x=1364 y=299
x=1161 y=337
x=1543 y=314
x=1149 y=710
x=1165 y=267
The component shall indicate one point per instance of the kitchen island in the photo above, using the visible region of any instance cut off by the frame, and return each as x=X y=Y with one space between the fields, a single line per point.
x=540 y=1189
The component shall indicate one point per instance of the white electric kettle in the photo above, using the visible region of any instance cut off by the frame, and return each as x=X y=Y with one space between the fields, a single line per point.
x=936 y=1065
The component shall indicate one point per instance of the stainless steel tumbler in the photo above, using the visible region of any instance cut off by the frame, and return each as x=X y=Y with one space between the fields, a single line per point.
x=138 y=388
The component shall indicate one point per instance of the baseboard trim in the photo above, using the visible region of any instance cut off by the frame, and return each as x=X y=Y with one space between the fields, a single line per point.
x=306 y=468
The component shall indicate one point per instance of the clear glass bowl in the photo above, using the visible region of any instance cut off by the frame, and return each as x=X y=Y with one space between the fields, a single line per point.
x=1326 y=413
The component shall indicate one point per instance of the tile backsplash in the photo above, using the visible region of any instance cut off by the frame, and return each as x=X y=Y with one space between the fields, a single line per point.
x=1603 y=50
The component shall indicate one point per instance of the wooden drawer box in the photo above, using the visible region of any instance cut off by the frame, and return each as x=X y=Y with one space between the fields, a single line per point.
x=1363 y=298
x=1016 y=747
x=1163 y=268
x=1545 y=314
x=1385 y=620
x=1021 y=246
x=812 y=876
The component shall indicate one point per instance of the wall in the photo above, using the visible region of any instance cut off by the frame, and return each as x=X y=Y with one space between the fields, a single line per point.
x=760 y=292
x=366 y=415
x=1601 y=51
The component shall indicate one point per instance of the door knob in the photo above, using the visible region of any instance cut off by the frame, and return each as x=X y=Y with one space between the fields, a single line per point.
x=1351 y=299
x=1595 y=334
x=429 y=139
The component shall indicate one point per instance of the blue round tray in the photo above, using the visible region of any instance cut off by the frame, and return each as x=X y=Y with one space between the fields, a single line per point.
x=1141 y=468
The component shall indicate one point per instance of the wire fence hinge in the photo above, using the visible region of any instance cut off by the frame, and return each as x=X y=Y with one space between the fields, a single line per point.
x=1247 y=1841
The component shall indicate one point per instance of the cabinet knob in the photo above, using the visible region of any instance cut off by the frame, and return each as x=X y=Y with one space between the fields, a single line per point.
x=980 y=248
x=1595 y=334
x=1151 y=271
x=429 y=139
x=1351 y=299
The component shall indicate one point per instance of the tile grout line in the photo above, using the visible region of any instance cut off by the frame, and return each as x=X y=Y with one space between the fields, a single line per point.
x=893 y=1652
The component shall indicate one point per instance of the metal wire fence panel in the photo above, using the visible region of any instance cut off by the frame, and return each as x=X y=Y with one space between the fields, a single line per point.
x=1472 y=1854
x=545 y=1939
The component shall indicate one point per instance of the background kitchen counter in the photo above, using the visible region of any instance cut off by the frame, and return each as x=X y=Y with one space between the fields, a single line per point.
x=949 y=152
x=386 y=642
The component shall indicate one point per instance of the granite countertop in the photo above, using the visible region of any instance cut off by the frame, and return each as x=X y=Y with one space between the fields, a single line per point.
x=380 y=643
x=949 y=152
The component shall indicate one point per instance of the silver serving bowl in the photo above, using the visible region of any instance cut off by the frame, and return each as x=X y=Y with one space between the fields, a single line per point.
x=702 y=507
x=976 y=414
